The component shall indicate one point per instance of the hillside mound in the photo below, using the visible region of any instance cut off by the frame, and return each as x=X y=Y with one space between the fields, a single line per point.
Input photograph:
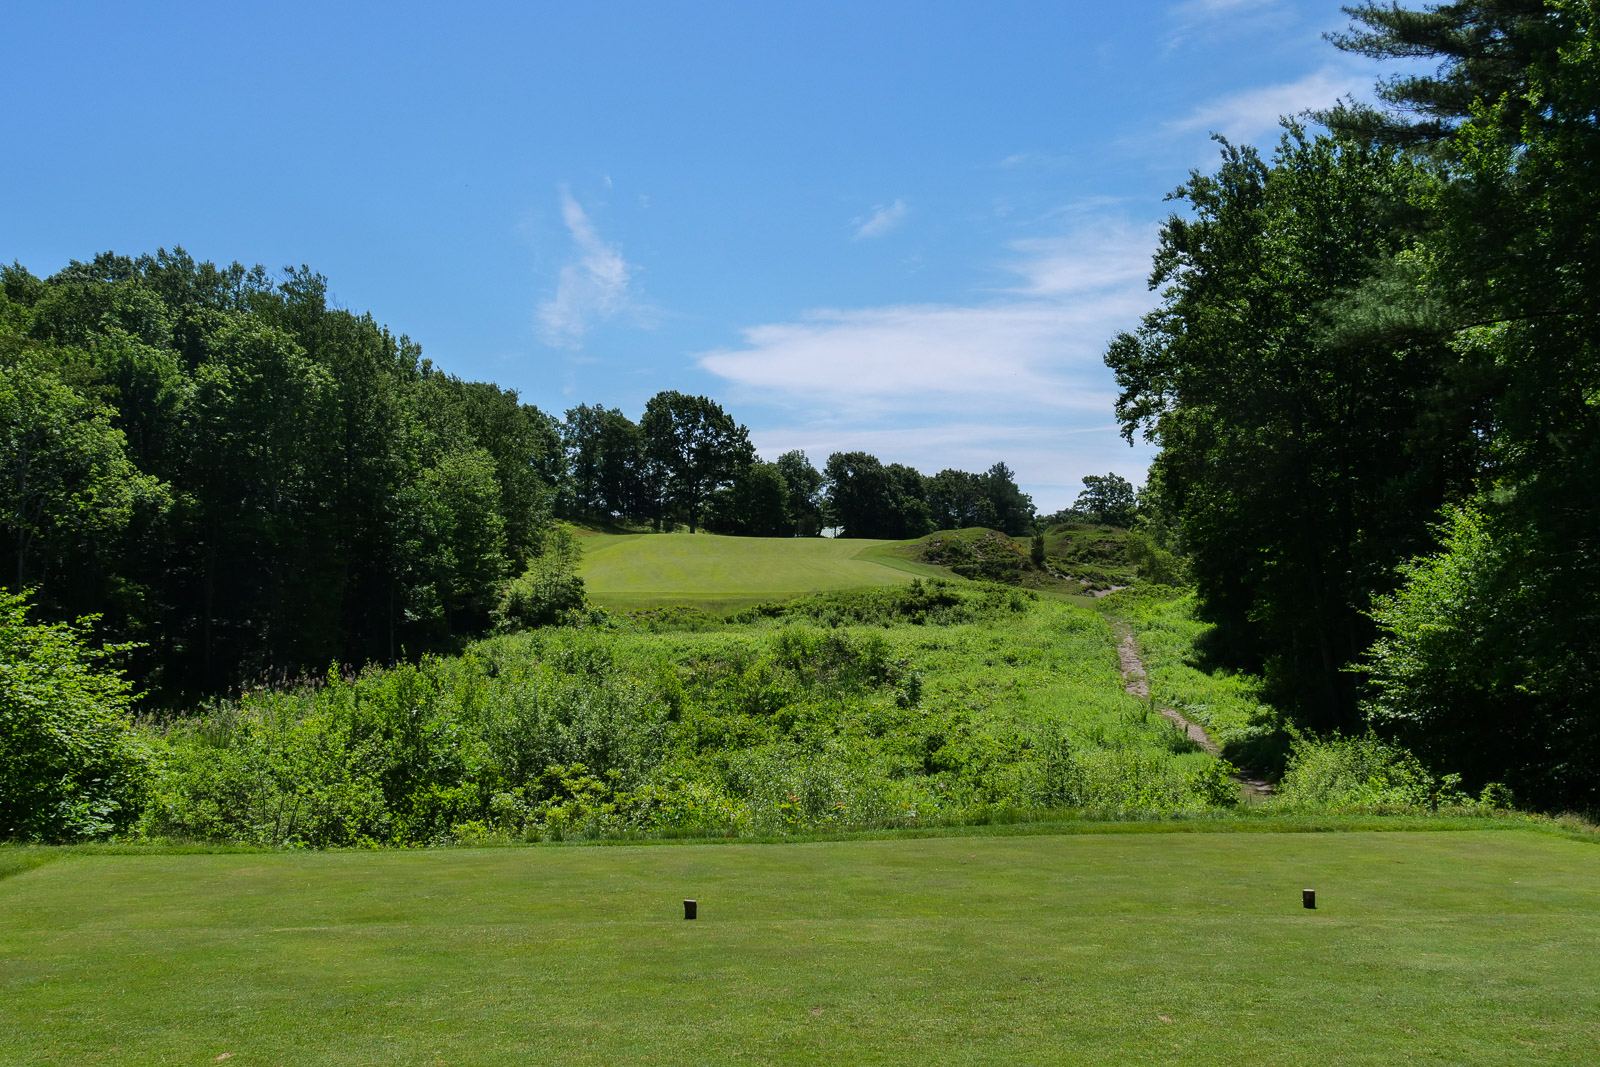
x=1078 y=557
x=1100 y=557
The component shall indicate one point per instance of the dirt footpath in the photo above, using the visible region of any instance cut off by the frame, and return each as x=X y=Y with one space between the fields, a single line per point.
x=1135 y=683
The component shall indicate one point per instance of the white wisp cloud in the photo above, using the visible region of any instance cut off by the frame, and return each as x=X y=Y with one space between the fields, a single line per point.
x=1036 y=345
x=594 y=285
x=882 y=220
x=1245 y=116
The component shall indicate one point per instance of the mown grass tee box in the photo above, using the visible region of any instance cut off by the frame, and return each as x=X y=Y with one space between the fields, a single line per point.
x=1460 y=948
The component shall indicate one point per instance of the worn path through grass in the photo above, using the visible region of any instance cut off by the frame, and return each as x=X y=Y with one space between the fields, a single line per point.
x=1458 y=948
x=1136 y=683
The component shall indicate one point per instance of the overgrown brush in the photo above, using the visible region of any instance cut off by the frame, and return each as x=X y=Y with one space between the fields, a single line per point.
x=1368 y=774
x=1229 y=704
x=70 y=764
x=787 y=726
x=935 y=602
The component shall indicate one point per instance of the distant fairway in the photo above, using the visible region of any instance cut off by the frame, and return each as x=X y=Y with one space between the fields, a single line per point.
x=1475 y=947
x=720 y=573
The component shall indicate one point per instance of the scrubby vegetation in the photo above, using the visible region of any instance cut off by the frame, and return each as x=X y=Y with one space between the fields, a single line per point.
x=983 y=554
x=1228 y=703
x=1368 y=774
x=71 y=766
x=924 y=704
x=1067 y=557
x=1380 y=483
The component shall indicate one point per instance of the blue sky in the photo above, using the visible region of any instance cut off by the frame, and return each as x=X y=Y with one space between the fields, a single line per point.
x=908 y=228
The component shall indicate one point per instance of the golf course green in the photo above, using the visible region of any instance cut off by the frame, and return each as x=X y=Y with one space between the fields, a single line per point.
x=717 y=573
x=1466 y=947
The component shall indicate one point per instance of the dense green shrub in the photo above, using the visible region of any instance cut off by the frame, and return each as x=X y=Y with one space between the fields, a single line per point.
x=1124 y=778
x=402 y=756
x=1155 y=564
x=1094 y=555
x=549 y=592
x=71 y=765
x=780 y=726
x=1481 y=665
x=935 y=602
x=985 y=555
x=1367 y=773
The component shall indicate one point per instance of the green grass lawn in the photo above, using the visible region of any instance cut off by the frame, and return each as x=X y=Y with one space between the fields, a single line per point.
x=722 y=573
x=1472 y=947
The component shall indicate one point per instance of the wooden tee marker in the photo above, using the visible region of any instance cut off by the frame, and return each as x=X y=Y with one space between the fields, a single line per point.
x=689 y=907
x=1308 y=898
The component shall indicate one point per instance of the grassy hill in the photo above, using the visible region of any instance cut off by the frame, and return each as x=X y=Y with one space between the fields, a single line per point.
x=1473 y=947
x=720 y=573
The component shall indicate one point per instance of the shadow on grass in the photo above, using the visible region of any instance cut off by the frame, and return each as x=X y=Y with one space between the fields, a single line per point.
x=17 y=859
x=20 y=858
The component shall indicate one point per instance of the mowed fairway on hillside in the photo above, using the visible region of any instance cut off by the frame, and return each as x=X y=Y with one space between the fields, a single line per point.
x=1469 y=947
x=716 y=572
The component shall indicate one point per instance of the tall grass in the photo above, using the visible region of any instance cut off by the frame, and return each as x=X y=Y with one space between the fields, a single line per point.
x=928 y=704
x=922 y=704
x=1229 y=704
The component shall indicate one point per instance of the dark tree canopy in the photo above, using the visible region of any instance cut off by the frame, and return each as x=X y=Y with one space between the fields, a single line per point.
x=605 y=465
x=867 y=499
x=957 y=500
x=1381 y=346
x=1109 y=498
x=756 y=504
x=1303 y=458
x=696 y=446
x=1487 y=51
x=249 y=482
x=804 y=484
x=1515 y=251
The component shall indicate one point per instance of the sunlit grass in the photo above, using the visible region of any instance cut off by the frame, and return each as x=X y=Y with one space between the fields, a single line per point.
x=720 y=573
x=1462 y=948
x=1228 y=704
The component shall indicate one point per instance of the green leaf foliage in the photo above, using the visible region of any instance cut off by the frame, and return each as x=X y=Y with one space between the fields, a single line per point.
x=1378 y=327
x=247 y=481
x=895 y=707
x=1300 y=468
x=695 y=448
x=71 y=764
x=549 y=592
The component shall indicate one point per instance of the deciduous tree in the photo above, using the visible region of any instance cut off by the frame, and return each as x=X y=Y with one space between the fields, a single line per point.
x=697 y=446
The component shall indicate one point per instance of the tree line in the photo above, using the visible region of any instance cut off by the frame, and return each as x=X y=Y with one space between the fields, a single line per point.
x=1373 y=378
x=249 y=483
x=686 y=462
